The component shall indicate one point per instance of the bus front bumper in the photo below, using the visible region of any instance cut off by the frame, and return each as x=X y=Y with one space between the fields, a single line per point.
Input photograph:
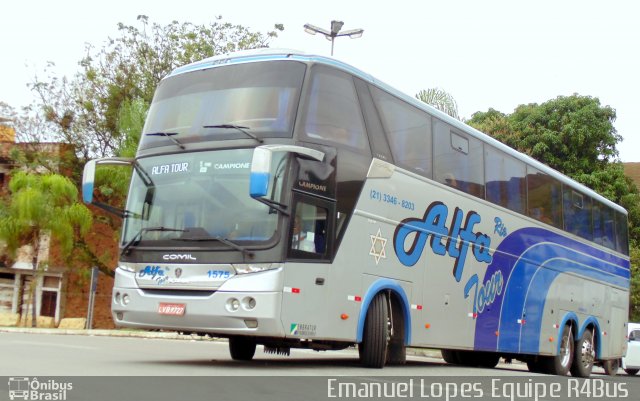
x=223 y=313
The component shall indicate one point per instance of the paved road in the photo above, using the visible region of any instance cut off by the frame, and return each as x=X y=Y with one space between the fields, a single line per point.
x=26 y=354
x=97 y=367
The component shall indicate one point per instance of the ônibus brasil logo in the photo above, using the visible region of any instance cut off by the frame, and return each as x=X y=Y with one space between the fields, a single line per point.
x=24 y=388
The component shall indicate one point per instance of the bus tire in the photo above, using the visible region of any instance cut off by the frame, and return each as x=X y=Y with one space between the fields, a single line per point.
x=487 y=360
x=561 y=363
x=632 y=372
x=611 y=366
x=242 y=348
x=397 y=353
x=375 y=339
x=584 y=355
x=450 y=356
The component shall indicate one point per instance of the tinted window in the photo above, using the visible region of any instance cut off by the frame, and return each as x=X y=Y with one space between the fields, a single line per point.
x=577 y=213
x=408 y=132
x=544 y=197
x=622 y=233
x=604 y=232
x=260 y=97
x=377 y=138
x=458 y=160
x=333 y=112
x=505 y=180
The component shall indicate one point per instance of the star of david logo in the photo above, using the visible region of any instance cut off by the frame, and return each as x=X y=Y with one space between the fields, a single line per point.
x=378 y=244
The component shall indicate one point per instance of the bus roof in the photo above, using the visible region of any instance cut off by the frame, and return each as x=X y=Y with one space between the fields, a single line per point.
x=269 y=54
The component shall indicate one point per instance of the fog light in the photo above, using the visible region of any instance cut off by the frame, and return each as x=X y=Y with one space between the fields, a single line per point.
x=116 y=298
x=126 y=299
x=251 y=323
x=119 y=315
x=249 y=303
x=232 y=304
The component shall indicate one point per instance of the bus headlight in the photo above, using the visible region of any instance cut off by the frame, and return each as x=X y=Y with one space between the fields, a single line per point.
x=254 y=267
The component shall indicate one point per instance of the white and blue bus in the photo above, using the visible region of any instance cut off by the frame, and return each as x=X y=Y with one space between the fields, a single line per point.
x=293 y=201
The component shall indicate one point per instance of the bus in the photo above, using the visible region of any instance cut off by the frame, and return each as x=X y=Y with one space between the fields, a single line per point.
x=291 y=200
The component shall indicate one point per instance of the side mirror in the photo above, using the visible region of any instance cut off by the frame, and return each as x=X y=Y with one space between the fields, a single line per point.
x=89 y=173
x=261 y=165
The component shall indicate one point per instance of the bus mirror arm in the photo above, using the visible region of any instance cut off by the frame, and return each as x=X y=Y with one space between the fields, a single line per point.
x=273 y=205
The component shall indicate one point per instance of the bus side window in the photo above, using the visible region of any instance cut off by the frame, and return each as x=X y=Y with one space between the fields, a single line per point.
x=577 y=213
x=333 y=112
x=460 y=157
x=408 y=131
x=309 y=229
x=622 y=233
x=505 y=180
x=603 y=226
x=544 y=197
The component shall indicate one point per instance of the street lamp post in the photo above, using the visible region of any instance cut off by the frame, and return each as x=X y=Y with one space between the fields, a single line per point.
x=336 y=26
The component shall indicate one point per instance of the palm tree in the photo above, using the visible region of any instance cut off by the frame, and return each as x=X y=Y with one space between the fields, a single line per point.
x=441 y=100
x=42 y=204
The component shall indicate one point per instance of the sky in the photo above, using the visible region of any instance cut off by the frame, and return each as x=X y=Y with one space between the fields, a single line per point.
x=486 y=53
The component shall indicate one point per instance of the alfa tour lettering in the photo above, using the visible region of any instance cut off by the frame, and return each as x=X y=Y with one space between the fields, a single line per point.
x=454 y=240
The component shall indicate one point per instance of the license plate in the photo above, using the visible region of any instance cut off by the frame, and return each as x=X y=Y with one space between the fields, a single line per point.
x=171 y=309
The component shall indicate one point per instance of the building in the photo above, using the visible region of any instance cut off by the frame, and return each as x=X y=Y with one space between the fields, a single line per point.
x=61 y=290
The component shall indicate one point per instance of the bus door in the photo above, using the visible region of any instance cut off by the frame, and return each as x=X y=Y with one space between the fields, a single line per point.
x=310 y=244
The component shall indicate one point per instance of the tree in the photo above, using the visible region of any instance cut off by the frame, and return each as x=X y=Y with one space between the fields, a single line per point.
x=85 y=110
x=574 y=135
x=440 y=99
x=42 y=204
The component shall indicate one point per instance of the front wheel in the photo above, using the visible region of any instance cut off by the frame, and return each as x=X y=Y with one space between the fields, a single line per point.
x=242 y=348
x=585 y=355
x=375 y=339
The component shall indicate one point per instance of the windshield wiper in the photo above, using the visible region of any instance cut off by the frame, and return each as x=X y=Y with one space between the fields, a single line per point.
x=138 y=236
x=218 y=238
x=168 y=135
x=240 y=128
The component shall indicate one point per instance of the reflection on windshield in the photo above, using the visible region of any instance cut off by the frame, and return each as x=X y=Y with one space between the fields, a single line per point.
x=261 y=98
x=203 y=193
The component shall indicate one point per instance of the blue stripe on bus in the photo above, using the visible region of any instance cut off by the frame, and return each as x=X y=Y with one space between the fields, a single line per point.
x=529 y=268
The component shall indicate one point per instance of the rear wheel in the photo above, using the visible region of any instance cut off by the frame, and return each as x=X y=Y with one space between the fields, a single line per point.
x=375 y=339
x=561 y=363
x=584 y=355
x=611 y=366
x=450 y=356
x=242 y=348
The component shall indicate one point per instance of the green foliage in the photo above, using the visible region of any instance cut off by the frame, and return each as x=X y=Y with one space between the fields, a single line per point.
x=440 y=99
x=42 y=203
x=87 y=109
x=634 y=298
x=575 y=135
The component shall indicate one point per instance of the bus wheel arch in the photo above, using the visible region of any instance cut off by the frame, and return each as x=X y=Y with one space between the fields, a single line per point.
x=393 y=317
x=560 y=364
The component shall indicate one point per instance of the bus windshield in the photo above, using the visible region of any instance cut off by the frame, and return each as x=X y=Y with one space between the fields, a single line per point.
x=221 y=102
x=187 y=199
